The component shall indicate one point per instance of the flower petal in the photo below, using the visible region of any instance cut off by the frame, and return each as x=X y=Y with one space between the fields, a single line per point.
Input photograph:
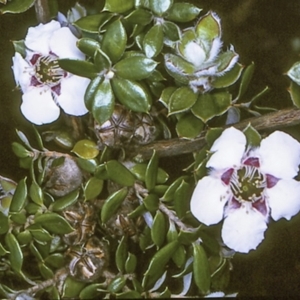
x=229 y=149
x=284 y=199
x=243 y=229
x=71 y=98
x=279 y=155
x=38 y=106
x=20 y=69
x=63 y=44
x=208 y=200
x=37 y=38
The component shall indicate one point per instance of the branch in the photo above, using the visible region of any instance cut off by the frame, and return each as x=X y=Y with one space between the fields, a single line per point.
x=177 y=146
x=42 y=11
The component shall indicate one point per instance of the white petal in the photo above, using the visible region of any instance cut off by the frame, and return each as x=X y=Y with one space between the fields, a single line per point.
x=21 y=71
x=38 y=37
x=63 y=44
x=208 y=200
x=243 y=229
x=229 y=149
x=279 y=155
x=71 y=99
x=38 y=106
x=284 y=199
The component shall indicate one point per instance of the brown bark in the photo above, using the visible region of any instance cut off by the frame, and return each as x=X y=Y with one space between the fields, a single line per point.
x=177 y=146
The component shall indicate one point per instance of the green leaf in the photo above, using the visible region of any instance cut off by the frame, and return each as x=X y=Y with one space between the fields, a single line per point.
x=90 y=92
x=71 y=288
x=102 y=63
x=88 y=165
x=211 y=105
x=78 y=67
x=183 y=12
x=36 y=193
x=246 y=78
x=182 y=100
x=4 y=224
x=15 y=252
x=294 y=72
x=252 y=136
x=117 y=6
x=130 y=263
x=16 y=6
x=119 y=173
x=20 y=151
x=208 y=27
x=171 y=31
x=129 y=295
x=166 y=95
x=158 y=262
x=153 y=41
x=294 y=91
x=121 y=254
x=178 y=68
x=229 y=77
x=20 y=47
x=45 y=271
x=112 y=204
x=159 y=7
x=65 y=201
x=88 y=46
x=135 y=67
x=86 y=149
x=182 y=198
x=117 y=284
x=55 y=260
x=103 y=102
x=93 y=188
x=114 y=40
x=92 y=291
x=151 y=202
x=159 y=228
x=188 y=126
x=92 y=23
x=41 y=235
x=169 y=194
x=19 y=197
x=201 y=269
x=139 y=170
x=151 y=171
x=24 y=139
x=139 y=16
x=54 y=223
x=132 y=94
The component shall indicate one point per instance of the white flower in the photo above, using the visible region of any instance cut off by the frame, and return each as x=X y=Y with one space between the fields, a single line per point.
x=246 y=186
x=45 y=86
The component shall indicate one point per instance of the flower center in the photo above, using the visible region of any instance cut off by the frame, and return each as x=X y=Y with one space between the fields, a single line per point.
x=247 y=184
x=47 y=70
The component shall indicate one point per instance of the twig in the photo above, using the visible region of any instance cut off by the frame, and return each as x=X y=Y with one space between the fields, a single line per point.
x=42 y=11
x=177 y=146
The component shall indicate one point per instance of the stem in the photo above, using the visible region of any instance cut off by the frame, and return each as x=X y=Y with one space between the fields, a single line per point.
x=177 y=146
x=171 y=215
x=42 y=11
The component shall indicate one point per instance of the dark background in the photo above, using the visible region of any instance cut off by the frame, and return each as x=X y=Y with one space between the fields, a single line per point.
x=266 y=32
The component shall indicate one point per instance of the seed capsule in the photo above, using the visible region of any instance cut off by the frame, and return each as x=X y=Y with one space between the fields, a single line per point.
x=118 y=130
x=87 y=263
